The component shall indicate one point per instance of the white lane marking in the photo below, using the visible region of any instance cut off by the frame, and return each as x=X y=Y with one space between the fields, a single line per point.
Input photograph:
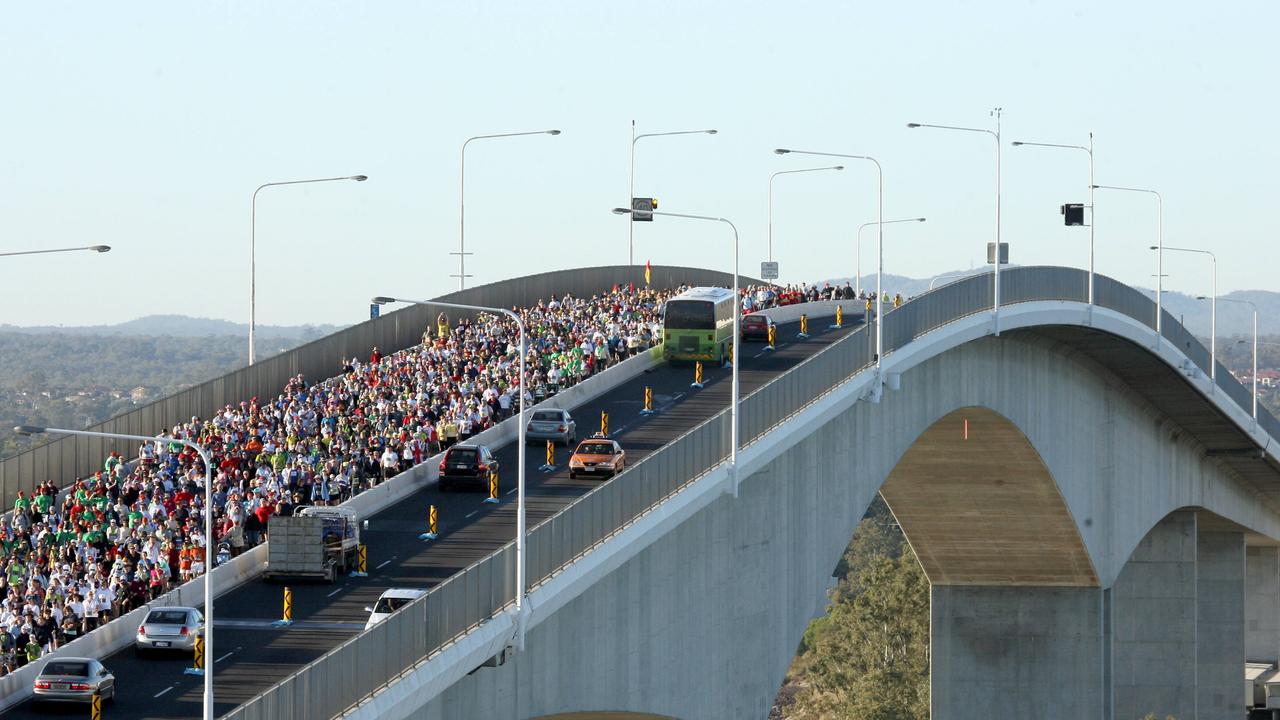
x=512 y=490
x=473 y=512
x=335 y=592
x=165 y=690
x=384 y=564
x=224 y=657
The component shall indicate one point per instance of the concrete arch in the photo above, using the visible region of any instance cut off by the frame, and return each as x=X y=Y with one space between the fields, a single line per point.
x=979 y=507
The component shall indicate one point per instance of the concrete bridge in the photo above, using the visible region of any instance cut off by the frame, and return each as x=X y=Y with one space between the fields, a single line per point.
x=1096 y=517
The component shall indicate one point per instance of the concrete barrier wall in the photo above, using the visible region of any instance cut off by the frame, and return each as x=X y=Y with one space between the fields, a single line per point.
x=119 y=633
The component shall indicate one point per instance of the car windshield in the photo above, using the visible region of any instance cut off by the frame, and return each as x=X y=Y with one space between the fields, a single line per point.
x=460 y=455
x=595 y=449
x=168 y=617
x=390 y=604
x=546 y=416
x=66 y=668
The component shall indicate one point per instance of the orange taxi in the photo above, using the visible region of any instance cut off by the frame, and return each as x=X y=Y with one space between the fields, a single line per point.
x=597 y=456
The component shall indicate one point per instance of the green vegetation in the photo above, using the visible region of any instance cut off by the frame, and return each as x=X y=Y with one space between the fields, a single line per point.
x=73 y=380
x=868 y=659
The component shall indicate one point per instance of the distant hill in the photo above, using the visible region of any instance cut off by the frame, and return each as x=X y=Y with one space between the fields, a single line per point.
x=1234 y=319
x=179 y=326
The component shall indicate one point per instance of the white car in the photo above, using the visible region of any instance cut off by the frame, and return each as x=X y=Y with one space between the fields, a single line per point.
x=391 y=601
x=169 y=628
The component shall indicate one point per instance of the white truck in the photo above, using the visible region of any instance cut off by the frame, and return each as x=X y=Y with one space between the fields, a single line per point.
x=317 y=542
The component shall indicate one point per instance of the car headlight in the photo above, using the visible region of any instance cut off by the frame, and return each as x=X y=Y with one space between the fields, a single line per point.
x=575 y=463
x=607 y=464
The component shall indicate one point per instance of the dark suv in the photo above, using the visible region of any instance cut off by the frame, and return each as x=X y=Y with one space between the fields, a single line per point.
x=467 y=465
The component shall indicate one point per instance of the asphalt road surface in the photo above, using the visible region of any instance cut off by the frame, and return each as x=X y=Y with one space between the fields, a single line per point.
x=251 y=655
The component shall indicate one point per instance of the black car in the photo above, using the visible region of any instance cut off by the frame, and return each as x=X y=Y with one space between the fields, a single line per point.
x=467 y=465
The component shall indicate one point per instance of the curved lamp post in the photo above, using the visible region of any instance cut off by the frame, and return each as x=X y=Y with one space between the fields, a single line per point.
x=879 y=234
x=858 y=280
x=462 y=198
x=631 y=228
x=995 y=282
x=1213 y=308
x=737 y=314
x=208 y=535
x=520 y=452
x=788 y=172
x=1159 y=252
x=1092 y=215
x=1255 y=347
x=253 y=241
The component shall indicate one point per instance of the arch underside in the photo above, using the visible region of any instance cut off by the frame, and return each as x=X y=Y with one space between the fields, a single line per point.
x=979 y=507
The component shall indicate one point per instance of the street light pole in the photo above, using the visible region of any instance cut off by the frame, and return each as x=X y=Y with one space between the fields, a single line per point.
x=94 y=248
x=1159 y=253
x=1213 y=308
x=1255 y=349
x=788 y=172
x=879 y=236
x=858 y=280
x=253 y=241
x=521 y=430
x=208 y=535
x=995 y=281
x=1092 y=214
x=631 y=228
x=462 y=199
x=737 y=314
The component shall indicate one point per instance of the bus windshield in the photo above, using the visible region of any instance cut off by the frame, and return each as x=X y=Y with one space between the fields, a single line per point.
x=690 y=315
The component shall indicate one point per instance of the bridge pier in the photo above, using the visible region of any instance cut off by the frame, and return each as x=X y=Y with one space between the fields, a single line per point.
x=1262 y=604
x=1016 y=652
x=1168 y=637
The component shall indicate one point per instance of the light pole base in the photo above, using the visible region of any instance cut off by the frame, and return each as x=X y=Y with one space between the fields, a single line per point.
x=280 y=623
x=769 y=348
x=357 y=573
x=696 y=385
x=547 y=467
x=427 y=536
x=194 y=671
x=648 y=412
x=802 y=336
x=491 y=500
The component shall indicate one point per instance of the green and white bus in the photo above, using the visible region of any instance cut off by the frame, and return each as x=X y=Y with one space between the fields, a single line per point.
x=698 y=324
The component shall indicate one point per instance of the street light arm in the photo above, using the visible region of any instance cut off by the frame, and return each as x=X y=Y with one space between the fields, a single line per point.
x=502 y=135
x=1017 y=143
x=95 y=248
x=357 y=178
x=954 y=127
x=676 y=132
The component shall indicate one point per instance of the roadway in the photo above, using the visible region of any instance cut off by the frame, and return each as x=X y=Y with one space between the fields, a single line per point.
x=251 y=655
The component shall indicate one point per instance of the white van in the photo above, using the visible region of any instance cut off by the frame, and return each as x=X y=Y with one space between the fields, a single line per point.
x=391 y=601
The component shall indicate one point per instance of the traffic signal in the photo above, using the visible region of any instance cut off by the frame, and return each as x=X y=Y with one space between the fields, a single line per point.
x=1073 y=214
x=642 y=209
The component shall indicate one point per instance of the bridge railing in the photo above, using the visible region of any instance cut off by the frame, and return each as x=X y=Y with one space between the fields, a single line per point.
x=373 y=659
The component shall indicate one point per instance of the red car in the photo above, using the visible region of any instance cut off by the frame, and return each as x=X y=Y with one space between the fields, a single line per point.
x=756 y=327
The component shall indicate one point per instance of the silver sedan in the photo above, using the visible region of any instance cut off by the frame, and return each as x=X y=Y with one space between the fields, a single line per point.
x=73 y=679
x=169 y=628
x=555 y=425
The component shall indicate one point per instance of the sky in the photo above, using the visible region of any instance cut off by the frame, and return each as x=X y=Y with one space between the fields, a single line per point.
x=147 y=126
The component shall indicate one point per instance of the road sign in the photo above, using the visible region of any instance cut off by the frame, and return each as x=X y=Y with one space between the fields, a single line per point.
x=374 y=310
x=768 y=271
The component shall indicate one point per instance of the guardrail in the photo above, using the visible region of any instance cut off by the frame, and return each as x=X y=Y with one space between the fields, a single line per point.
x=367 y=662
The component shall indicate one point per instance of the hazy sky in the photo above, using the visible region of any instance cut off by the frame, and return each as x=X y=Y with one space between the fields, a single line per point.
x=147 y=125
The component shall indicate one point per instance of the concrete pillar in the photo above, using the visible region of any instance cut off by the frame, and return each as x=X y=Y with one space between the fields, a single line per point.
x=1220 y=564
x=1016 y=652
x=1154 y=624
x=1262 y=604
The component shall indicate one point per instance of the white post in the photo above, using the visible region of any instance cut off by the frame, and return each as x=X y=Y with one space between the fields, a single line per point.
x=631 y=192
x=995 y=312
x=1093 y=219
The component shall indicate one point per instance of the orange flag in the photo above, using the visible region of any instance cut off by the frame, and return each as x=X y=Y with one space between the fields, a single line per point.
x=648 y=271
